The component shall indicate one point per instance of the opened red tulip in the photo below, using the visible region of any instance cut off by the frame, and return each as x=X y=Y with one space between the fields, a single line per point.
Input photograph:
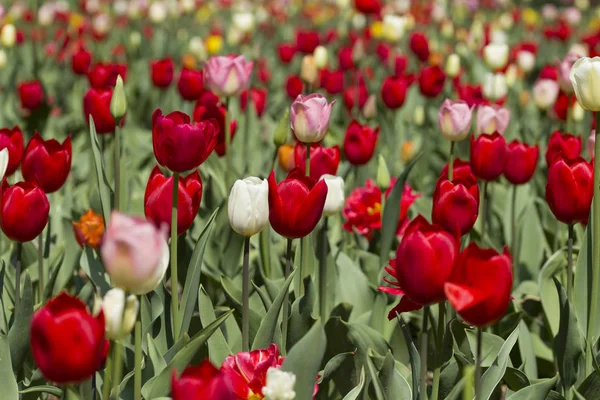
x=161 y=72
x=12 y=140
x=296 y=204
x=104 y=76
x=562 y=145
x=351 y=95
x=419 y=46
x=521 y=161
x=202 y=382
x=323 y=160
x=96 y=103
x=158 y=199
x=80 y=61
x=345 y=58
x=393 y=91
x=332 y=81
x=24 y=213
x=570 y=189
x=258 y=97
x=488 y=156
x=360 y=142
x=480 y=286
x=215 y=114
x=47 y=162
x=64 y=324
x=367 y=6
x=431 y=81
x=31 y=94
x=190 y=84
x=180 y=145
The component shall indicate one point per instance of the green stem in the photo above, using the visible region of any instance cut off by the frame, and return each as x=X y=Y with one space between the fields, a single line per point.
x=596 y=257
x=451 y=162
x=227 y=148
x=513 y=236
x=304 y=241
x=286 y=299
x=440 y=349
x=18 y=247
x=40 y=254
x=107 y=376
x=174 y=280
x=245 y=296
x=323 y=271
x=478 y=364
x=118 y=365
x=137 y=379
x=117 y=161
x=423 y=376
x=307 y=159
x=570 y=264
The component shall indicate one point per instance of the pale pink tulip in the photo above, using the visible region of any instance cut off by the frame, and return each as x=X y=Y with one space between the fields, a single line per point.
x=492 y=119
x=454 y=119
x=309 y=117
x=228 y=75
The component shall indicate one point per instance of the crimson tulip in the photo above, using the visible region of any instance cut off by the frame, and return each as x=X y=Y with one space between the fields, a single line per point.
x=345 y=58
x=161 y=72
x=480 y=286
x=158 y=199
x=286 y=52
x=47 y=162
x=367 y=6
x=104 y=76
x=393 y=92
x=201 y=382
x=24 y=211
x=12 y=140
x=180 y=145
x=295 y=204
x=81 y=61
x=521 y=161
x=258 y=97
x=216 y=115
x=562 y=145
x=31 y=94
x=431 y=81
x=570 y=189
x=96 y=103
x=190 y=84
x=293 y=86
x=323 y=160
x=332 y=81
x=360 y=142
x=419 y=46
x=307 y=41
x=488 y=155
x=350 y=96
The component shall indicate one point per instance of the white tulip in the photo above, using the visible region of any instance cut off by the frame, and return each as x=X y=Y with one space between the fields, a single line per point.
x=46 y=14
x=394 y=27
x=452 y=68
x=335 y=194
x=120 y=7
x=496 y=55
x=359 y=21
x=157 y=12
x=3 y=162
x=197 y=47
x=244 y=21
x=248 y=206
x=578 y=113
x=545 y=92
x=494 y=86
x=120 y=313
x=585 y=77
x=526 y=61
x=8 y=35
x=280 y=385
x=320 y=55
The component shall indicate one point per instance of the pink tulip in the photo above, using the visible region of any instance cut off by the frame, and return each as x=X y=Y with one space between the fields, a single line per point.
x=309 y=117
x=591 y=144
x=564 y=71
x=454 y=119
x=228 y=75
x=492 y=119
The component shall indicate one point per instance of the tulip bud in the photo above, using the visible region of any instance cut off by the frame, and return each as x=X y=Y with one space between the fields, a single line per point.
x=383 y=174
x=584 y=73
x=120 y=313
x=454 y=120
x=452 y=65
x=369 y=110
x=248 y=206
x=494 y=87
x=320 y=56
x=308 y=70
x=407 y=151
x=281 y=133
x=578 y=113
x=309 y=117
x=496 y=55
x=526 y=61
x=118 y=103
x=285 y=156
x=8 y=35
x=334 y=203
x=157 y=12
x=243 y=21
x=279 y=385
x=419 y=116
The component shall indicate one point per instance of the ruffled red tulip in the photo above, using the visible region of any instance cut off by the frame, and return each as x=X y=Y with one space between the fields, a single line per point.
x=307 y=41
x=258 y=98
x=562 y=145
x=161 y=72
x=293 y=86
x=158 y=199
x=96 y=103
x=202 y=382
x=570 y=189
x=216 y=115
x=360 y=142
x=67 y=342
x=521 y=161
x=332 y=81
x=323 y=160
x=367 y=6
x=431 y=81
x=488 y=155
x=419 y=46
x=12 y=140
x=350 y=97
x=47 y=163
x=480 y=286
x=180 y=145
x=190 y=84
x=31 y=94
x=25 y=209
x=81 y=61
x=295 y=204
x=286 y=52
x=345 y=58
x=89 y=229
x=456 y=202
x=393 y=92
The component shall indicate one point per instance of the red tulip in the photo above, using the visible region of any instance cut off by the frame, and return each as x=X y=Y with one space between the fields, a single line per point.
x=360 y=142
x=202 y=382
x=419 y=46
x=104 y=76
x=521 y=161
x=47 y=163
x=431 y=81
x=161 y=72
x=345 y=58
x=180 y=145
x=67 y=342
x=480 y=286
x=570 y=189
x=158 y=199
x=456 y=202
x=323 y=160
x=562 y=105
x=350 y=97
x=24 y=213
x=383 y=50
x=286 y=52
x=31 y=94
x=12 y=139
x=367 y=6
x=216 y=115
x=96 y=103
x=80 y=61
x=307 y=41
x=393 y=92
x=562 y=145
x=293 y=86
x=471 y=94
x=190 y=84
x=400 y=63
x=295 y=204
x=488 y=155
x=258 y=98
x=332 y=81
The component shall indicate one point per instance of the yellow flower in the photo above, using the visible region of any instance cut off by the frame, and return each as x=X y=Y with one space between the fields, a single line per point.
x=377 y=30
x=530 y=16
x=407 y=152
x=214 y=44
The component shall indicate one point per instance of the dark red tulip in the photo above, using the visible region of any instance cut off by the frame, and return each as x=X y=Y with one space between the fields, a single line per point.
x=549 y=72
x=471 y=94
x=570 y=189
x=456 y=202
x=25 y=209
x=190 y=84
x=345 y=58
x=81 y=61
x=104 y=76
x=562 y=105
x=286 y=52
x=419 y=46
x=393 y=92
x=293 y=86
x=332 y=81
x=31 y=94
x=47 y=162
x=295 y=204
x=202 y=382
x=180 y=145
x=488 y=155
x=521 y=161
x=383 y=50
x=350 y=97
x=258 y=98
x=12 y=140
x=216 y=115
x=96 y=103
x=360 y=142
x=431 y=81
x=263 y=71
x=158 y=199
x=400 y=63
x=65 y=323
x=161 y=72
x=562 y=145
x=323 y=160
x=367 y=6
x=480 y=286
x=307 y=41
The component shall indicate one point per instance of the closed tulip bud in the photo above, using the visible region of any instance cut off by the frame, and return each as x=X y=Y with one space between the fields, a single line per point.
x=488 y=156
x=286 y=157
x=419 y=46
x=584 y=73
x=12 y=140
x=228 y=75
x=118 y=102
x=431 y=81
x=309 y=117
x=321 y=57
x=496 y=55
x=323 y=160
x=494 y=87
x=135 y=253
x=452 y=68
x=360 y=142
x=454 y=120
x=419 y=115
x=393 y=91
x=545 y=93
x=135 y=39
x=492 y=119
x=569 y=190
x=526 y=61
x=161 y=72
x=334 y=203
x=8 y=35
x=120 y=313
x=308 y=70
x=394 y=27
x=24 y=202
x=47 y=163
x=521 y=161
x=248 y=206
x=31 y=94
x=562 y=146
x=383 y=174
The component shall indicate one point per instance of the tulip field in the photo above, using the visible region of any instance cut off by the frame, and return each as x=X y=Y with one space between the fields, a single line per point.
x=299 y=199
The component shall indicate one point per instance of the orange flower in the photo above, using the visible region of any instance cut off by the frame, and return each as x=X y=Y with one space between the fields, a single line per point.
x=286 y=157
x=89 y=229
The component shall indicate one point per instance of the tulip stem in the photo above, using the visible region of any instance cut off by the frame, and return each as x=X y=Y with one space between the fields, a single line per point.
x=18 y=275
x=227 y=148
x=40 y=254
x=174 y=281
x=245 y=296
x=307 y=159
x=570 y=264
x=592 y=326
x=323 y=271
x=118 y=365
x=107 y=376
x=137 y=379
x=423 y=378
x=286 y=299
x=513 y=236
x=451 y=162
x=440 y=349
x=117 y=161
x=478 y=364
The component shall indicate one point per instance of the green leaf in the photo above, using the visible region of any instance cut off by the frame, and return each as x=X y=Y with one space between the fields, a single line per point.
x=192 y=280
x=332 y=365
x=492 y=377
x=391 y=211
x=157 y=360
x=413 y=354
x=18 y=336
x=550 y=300
x=301 y=316
x=583 y=283
x=92 y=266
x=304 y=361
x=490 y=347
x=355 y=393
x=53 y=390
x=527 y=351
x=104 y=189
x=218 y=349
x=538 y=391
x=10 y=389
x=590 y=387
x=375 y=382
x=393 y=384
x=65 y=271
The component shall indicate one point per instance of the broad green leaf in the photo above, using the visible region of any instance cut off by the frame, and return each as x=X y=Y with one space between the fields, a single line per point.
x=355 y=393
x=377 y=388
x=527 y=351
x=104 y=189
x=415 y=360
x=301 y=316
x=537 y=391
x=590 y=387
x=53 y=390
x=18 y=335
x=583 y=284
x=393 y=384
x=332 y=365
x=157 y=360
x=492 y=377
x=550 y=302
x=92 y=266
x=490 y=347
x=10 y=389
x=218 y=349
